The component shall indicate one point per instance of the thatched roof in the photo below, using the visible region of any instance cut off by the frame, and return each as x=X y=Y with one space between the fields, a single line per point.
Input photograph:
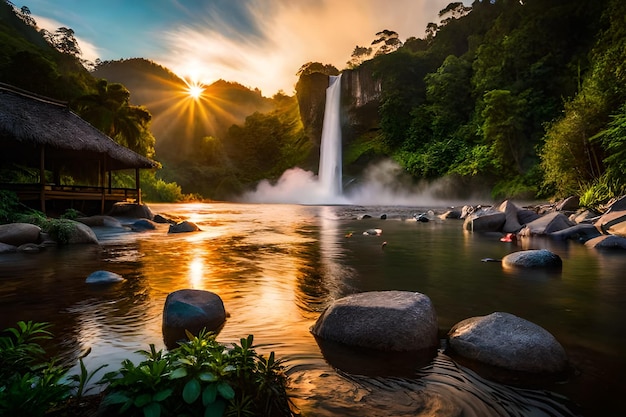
x=34 y=120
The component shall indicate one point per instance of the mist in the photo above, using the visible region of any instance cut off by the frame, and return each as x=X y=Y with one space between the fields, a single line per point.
x=382 y=184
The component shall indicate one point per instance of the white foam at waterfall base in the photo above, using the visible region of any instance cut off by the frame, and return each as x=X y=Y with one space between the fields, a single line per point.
x=382 y=184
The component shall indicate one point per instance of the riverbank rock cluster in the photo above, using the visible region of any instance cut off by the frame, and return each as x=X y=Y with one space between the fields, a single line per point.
x=561 y=221
x=401 y=321
x=29 y=238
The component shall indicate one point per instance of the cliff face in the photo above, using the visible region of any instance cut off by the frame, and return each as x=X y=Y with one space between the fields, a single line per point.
x=360 y=98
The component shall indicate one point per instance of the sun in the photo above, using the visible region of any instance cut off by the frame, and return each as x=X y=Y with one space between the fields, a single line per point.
x=195 y=91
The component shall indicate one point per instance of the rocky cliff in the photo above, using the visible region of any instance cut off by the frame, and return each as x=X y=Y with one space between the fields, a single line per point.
x=360 y=98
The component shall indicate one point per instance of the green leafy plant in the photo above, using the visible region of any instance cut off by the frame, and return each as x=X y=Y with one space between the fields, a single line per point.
x=71 y=214
x=200 y=378
x=81 y=380
x=29 y=384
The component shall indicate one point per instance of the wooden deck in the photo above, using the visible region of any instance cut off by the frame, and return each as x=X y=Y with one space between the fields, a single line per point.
x=75 y=195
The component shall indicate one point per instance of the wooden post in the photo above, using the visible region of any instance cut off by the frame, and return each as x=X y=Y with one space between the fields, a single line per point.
x=137 y=186
x=42 y=177
x=101 y=181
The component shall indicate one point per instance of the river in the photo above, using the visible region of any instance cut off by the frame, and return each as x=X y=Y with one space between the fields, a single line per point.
x=277 y=266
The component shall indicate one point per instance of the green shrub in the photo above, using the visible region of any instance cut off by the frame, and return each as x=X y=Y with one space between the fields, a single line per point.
x=200 y=378
x=29 y=383
x=9 y=205
x=594 y=195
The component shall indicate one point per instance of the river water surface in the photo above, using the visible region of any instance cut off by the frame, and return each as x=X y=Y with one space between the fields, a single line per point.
x=276 y=267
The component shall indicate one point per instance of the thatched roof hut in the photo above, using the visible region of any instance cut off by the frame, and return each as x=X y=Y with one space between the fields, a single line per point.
x=45 y=134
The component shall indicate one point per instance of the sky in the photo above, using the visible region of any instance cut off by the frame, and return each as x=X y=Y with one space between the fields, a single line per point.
x=257 y=43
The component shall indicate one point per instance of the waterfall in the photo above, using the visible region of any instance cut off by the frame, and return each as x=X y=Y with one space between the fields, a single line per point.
x=330 y=175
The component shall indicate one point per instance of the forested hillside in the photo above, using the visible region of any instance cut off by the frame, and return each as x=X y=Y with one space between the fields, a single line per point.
x=527 y=96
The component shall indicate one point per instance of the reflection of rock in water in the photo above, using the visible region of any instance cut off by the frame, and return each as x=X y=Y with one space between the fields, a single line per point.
x=440 y=389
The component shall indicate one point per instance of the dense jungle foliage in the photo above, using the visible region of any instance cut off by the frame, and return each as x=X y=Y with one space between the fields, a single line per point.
x=527 y=96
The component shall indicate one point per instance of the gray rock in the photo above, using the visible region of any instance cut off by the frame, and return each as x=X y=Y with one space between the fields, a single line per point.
x=534 y=258
x=81 y=233
x=103 y=221
x=571 y=203
x=131 y=210
x=4 y=248
x=103 y=277
x=142 y=225
x=485 y=221
x=191 y=310
x=183 y=227
x=381 y=320
x=607 y=242
x=549 y=223
x=507 y=341
x=17 y=234
x=525 y=216
x=450 y=214
x=580 y=232
x=29 y=248
x=511 y=224
x=612 y=221
x=584 y=216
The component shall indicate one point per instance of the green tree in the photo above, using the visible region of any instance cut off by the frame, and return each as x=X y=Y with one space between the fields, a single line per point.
x=109 y=110
x=503 y=129
x=387 y=41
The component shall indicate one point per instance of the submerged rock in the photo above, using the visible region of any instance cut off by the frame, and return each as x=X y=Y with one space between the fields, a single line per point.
x=507 y=341
x=104 y=277
x=381 y=320
x=607 y=242
x=183 y=227
x=534 y=258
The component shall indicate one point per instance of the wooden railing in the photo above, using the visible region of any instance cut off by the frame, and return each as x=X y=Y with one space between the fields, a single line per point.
x=70 y=192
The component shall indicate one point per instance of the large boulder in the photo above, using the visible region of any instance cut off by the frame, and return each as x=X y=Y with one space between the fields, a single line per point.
x=607 y=242
x=511 y=224
x=534 y=258
x=507 y=341
x=80 y=233
x=485 y=221
x=381 y=320
x=131 y=210
x=16 y=234
x=549 y=223
x=191 y=310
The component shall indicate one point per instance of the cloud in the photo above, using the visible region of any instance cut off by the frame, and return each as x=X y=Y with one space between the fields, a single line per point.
x=280 y=36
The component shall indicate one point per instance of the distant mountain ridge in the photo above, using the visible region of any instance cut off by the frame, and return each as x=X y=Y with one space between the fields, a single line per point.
x=177 y=117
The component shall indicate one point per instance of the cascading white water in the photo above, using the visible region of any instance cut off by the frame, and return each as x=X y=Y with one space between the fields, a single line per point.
x=330 y=170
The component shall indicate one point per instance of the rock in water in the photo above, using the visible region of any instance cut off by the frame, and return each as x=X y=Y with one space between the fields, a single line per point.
x=381 y=320
x=507 y=341
x=103 y=277
x=191 y=310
